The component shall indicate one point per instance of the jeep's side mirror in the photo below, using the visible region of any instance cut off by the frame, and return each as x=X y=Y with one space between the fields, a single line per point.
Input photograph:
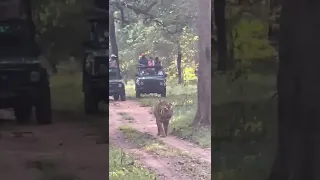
x=137 y=74
x=165 y=75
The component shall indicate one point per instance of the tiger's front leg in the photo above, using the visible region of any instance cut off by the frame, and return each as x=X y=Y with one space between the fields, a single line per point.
x=160 y=129
x=159 y=125
x=165 y=126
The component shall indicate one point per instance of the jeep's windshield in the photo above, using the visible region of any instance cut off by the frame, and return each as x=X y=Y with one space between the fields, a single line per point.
x=16 y=30
x=114 y=73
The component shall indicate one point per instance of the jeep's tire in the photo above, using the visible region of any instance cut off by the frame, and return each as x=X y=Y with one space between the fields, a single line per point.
x=164 y=93
x=90 y=103
x=23 y=114
x=116 y=97
x=123 y=96
x=138 y=94
x=43 y=107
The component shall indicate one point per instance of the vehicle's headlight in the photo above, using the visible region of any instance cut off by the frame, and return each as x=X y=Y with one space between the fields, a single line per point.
x=161 y=83
x=141 y=83
x=34 y=76
x=120 y=85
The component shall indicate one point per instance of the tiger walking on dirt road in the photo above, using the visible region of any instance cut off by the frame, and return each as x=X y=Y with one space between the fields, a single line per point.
x=163 y=112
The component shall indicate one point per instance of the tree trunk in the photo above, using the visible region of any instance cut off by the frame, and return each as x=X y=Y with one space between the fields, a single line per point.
x=203 y=114
x=112 y=37
x=220 y=22
x=179 y=57
x=298 y=146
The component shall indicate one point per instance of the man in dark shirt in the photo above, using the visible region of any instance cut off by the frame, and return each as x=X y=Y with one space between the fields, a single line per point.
x=143 y=60
x=157 y=64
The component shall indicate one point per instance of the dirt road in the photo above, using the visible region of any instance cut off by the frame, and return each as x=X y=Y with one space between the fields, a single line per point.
x=191 y=162
x=63 y=150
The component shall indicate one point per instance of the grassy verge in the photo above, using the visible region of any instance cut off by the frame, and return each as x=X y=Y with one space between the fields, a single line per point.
x=184 y=98
x=244 y=127
x=148 y=143
x=67 y=102
x=122 y=166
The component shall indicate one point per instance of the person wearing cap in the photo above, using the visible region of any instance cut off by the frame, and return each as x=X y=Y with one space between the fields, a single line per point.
x=113 y=61
x=143 y=60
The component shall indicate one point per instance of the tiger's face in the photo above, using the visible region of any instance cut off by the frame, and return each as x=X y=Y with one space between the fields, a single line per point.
x=167 y=111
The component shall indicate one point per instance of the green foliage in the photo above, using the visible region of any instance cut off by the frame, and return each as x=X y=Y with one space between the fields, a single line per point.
x=155 y=32
x=243 y=139
x=134 y=39
x=61 y=27
x=250 y=40
x=121 y=167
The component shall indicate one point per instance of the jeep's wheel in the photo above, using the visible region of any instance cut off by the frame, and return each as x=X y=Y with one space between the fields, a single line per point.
x=43 y=107
x=90 y=103
x=123 y=96
x=138 y=94
x=23 y=114
x=116 y=97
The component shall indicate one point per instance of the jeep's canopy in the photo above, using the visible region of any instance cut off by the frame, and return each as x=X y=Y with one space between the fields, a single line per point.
x=17 y=31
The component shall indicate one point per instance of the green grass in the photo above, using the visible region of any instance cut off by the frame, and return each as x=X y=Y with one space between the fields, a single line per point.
x=122 y=166
x=66 y=92
x=67 y=102
x=126 y=116
x=244 y=127
x=148 y=143
x=184 y=98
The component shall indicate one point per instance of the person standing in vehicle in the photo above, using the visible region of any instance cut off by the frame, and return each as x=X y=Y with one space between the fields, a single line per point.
x=157 y=64
x=143 y=60
x=113 y=61
x=151 y=61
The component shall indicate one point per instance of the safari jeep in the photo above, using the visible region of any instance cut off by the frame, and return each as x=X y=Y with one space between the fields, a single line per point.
x=95 y=80
x=148 y=81
x=24 y=83
x=116 y=85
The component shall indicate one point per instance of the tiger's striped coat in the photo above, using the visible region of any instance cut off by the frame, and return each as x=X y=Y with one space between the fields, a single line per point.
x=163 y=112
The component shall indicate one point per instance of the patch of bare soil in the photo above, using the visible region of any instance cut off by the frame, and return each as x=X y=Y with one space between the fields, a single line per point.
x=63 y=150
x=196 y=166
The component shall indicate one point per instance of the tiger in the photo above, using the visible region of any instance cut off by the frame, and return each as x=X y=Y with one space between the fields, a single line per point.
x=163 y=112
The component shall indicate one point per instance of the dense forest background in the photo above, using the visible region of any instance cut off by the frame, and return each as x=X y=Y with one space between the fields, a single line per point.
x=244 y=62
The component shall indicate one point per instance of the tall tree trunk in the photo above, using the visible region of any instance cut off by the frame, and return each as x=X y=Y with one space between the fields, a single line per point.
x=112 y=36
x=179 y=69
x=203 y=114
x=220 y=22
x=298 y=146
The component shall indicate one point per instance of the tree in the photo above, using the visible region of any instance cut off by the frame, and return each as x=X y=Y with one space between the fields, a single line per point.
x=220 y=22
x=297 y=154
x=203 y=114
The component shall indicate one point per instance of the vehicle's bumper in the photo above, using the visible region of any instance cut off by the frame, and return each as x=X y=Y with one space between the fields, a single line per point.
x=151 y=89
x=10 y=97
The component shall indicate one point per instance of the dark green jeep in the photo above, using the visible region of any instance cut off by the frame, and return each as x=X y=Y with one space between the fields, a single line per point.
x=150 y=80
x=24 y=83
x=116 y=85
x=95 y=80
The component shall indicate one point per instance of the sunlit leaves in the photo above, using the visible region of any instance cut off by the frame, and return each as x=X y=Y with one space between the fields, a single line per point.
x=250 y=40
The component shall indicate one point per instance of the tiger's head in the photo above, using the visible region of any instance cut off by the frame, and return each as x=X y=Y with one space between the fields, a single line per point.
x=166 y=109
